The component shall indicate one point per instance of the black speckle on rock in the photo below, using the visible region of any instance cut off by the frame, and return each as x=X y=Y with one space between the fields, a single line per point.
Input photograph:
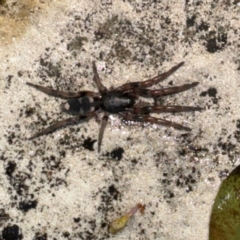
x=203 y=27
x=10 y=168
x=11 y=137
x=212 y=92
x=66 y=234
x=29 y=111
x=168 y=196
x=238 y=123
x=117 y=153
x=223 y=173
x=20 y=73
x=25 y=206
x=88 y=144
x=183 y=152
x=76 y=220
x=228 y=147
x=3 y=217
x=235 y=2
x=113 y=192
x=12 y=233
x=9 y=81
x=191 y=21
x=103 y=225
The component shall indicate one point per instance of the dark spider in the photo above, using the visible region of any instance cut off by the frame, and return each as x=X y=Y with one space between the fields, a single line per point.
x=120 y=101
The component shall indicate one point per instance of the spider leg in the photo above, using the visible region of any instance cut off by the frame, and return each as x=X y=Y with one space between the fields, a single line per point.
x=62 y=123
x=102 y=89
x=150 y=82
x=66 y=95
x=161 y=109
x=165 y=91
x=101 y=132
x=152 y=120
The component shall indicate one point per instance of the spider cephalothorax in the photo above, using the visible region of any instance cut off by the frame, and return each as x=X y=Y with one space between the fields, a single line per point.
x=121 y=100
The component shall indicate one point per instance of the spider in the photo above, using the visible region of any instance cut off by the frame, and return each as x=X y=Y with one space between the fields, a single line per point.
x=121 y=100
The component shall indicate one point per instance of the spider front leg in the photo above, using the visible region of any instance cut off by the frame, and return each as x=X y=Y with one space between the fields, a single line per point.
x=149 y=82
x=66 y=95
x=143 y=92
x=102 y=89
x=62 y=123
x=152 y=120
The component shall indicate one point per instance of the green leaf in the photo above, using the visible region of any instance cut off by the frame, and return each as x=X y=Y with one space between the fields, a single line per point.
x=225 y=217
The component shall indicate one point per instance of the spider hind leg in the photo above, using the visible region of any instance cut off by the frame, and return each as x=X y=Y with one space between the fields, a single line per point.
x=62 y=123
x=161 y=109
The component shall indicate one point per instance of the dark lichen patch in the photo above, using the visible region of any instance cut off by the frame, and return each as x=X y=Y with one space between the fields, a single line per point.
x=90 y=231
x=12 y=232
x=181 y=175
x=199 y=28
x=203 y=26
x=25 y=206
x=229 y=149
x=4 y=217
x=216 y=41
x=106 y=29
x=10 y=168
x=77 y=43
x=11 y=138
x=88 y=144
x=113 y=192
x=108 y=195
x=19 y=182
x=52 y=70
x=66 y=235
x=121 y=52
x=212 y=40
x=40 y=236
x=190 y=22
x=138 y=34
x=187 y=180
x=237 y=131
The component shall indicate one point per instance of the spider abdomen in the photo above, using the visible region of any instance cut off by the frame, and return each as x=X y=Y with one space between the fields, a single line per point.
x=81 y=105
x=115 y=102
